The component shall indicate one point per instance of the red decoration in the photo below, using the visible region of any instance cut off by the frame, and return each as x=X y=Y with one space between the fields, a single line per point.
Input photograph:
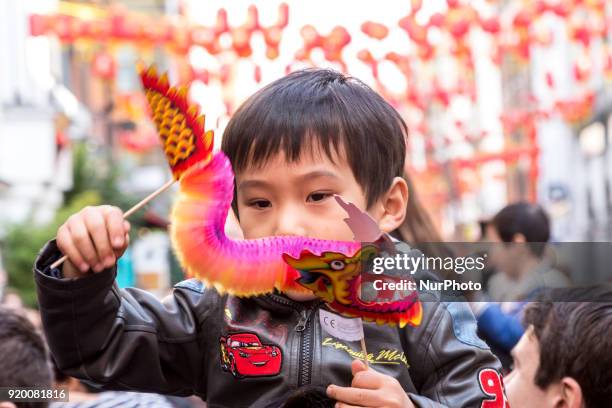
x=103 y=66
x=550 y=80
x=512 y=39
x=491 y=25
x=375 y=30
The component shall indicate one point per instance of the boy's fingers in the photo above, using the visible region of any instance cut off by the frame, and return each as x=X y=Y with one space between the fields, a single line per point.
x=82 y=241
x=115 y=226
x=343 y=405
x=368 y=379
x=357 y=366
x=99 y=234
x=356 y=396
x=119 y=252
x=66 y=245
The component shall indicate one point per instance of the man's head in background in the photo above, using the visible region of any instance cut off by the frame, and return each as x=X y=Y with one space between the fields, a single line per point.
x=24 y=359
x=524 y=228
x=564 y=359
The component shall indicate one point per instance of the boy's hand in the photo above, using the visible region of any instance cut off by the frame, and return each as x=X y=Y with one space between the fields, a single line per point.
x=92 y=239
x=370 y=389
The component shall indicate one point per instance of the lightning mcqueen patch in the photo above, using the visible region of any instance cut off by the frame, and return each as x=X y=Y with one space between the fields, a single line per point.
x=243 y=355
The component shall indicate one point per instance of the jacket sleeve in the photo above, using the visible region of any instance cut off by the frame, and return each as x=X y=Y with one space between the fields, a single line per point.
x=448 y=361
x=500 y=329
x=123 y=339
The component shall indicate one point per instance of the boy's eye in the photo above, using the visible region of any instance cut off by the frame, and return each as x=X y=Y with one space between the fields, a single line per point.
x=260 y=204
x=318 y=196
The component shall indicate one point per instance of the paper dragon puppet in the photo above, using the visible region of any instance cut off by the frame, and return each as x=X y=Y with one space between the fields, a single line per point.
x=331 y=269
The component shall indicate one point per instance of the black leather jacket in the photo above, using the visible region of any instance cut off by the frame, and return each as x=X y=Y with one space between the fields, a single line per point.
x=242 y=352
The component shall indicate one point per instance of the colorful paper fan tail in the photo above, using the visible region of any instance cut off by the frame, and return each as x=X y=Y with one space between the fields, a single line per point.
x=179 y=124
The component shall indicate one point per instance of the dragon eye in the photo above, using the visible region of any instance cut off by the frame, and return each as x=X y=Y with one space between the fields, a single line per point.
x=336 y=265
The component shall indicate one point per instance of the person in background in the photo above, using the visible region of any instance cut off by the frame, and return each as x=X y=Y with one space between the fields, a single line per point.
x=519 y=233
x=24 y=359
x=523 y=229
x=563 y=360
x=83 y=395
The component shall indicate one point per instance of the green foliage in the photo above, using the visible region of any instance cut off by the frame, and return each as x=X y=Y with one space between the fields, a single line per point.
x=92 y=171
x=94 y=183
x=23 y=241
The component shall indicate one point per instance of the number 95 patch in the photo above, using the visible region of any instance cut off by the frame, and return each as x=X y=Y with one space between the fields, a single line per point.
x=492 y=385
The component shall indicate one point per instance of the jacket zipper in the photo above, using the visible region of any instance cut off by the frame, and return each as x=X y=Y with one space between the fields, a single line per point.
x=307 y=333
x=306 y=329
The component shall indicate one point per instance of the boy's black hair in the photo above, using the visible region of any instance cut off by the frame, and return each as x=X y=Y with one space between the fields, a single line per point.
x=527 y=219
x=572 y=326
x=23 y=355
x=322 y=108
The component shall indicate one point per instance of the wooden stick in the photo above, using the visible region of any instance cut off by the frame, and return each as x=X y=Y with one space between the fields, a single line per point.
x=129 y=212
x=365 y=352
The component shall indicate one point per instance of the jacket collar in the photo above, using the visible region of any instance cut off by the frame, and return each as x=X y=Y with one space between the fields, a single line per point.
x=279 y=302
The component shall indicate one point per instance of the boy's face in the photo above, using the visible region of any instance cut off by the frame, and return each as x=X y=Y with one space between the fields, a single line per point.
x=520 y=383
x=521 y=388
x=282 y=198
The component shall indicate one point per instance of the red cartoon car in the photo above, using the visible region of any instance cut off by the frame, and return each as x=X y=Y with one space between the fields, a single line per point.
x=243 y=355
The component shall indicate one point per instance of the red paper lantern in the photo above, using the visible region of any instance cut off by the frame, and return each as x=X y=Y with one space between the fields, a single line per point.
x=252 y=22
x=283 y=15
x=272 y=35
x=38 y=24
x=221 y=25
x=491 y=25
x=417 y=33
x=436 y=20
x=366 y=57
x=241 y=41
x=522 y=19
x=375 y=30
x=452 y=3
x=337 y=39
x=459 y=28
x=561 y=9
x=582 y=34
x=64 y=28
x=103 y=66
x=311 y=37
x=204 y=37
x=272 y=52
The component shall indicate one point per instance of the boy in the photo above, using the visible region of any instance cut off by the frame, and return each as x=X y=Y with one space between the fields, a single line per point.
x=292 y=145
x=563 y=359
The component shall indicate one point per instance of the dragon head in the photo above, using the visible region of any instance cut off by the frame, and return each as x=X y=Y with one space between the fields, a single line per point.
x=331 y=276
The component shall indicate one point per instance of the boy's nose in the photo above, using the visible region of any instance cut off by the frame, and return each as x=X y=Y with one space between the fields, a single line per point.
x=289 y=223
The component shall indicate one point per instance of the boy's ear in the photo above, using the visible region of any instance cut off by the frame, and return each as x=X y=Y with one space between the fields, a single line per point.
x=392 y=206
x=565 y=394
x=571 y=393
